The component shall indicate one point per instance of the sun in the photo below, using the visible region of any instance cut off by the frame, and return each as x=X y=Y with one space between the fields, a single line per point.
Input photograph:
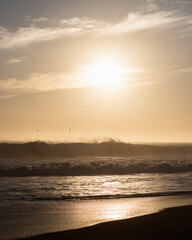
x=106 y=73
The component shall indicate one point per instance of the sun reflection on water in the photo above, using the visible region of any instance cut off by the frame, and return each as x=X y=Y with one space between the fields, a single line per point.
x=116 y=211
x=113 y=210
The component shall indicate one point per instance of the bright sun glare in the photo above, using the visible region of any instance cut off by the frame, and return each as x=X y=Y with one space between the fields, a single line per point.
x=107 y=73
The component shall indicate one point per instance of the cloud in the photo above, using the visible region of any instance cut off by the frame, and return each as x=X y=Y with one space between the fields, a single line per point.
x=25 y=36
x=185 y=70
x=78 y=78
x=16 y=60
x=40 y=19
x=137 y=21
x=38 y=82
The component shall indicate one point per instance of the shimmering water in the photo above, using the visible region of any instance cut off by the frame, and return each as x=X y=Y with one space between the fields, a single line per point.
x=19 y=220
x=94 y=187
x=50 y=199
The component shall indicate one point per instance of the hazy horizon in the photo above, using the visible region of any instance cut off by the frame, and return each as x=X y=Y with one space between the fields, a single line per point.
x=104 y=140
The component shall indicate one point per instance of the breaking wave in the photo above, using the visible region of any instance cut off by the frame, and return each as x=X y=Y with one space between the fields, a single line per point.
x=111 y=166
x=89 y=159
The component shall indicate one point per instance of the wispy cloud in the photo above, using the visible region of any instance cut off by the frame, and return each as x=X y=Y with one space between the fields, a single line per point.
x=37 y=20
x=137 y=21
x=16 y=60
x=81 y=77
x=37 y=82
x=25 y=36
x=183 y=70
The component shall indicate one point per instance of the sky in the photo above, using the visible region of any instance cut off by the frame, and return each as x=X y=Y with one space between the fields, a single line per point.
x=84 y=70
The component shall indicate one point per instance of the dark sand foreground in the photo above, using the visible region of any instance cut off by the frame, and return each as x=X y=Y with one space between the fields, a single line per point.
x=173 y=223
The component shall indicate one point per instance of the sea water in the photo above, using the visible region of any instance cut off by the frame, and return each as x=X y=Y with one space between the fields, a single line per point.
x=36 y=198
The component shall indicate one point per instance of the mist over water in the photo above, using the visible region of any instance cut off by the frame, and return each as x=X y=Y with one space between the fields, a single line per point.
x=90 y=159
x=110 y=148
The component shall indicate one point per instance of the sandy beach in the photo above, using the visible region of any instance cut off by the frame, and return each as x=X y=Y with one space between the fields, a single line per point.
x=172 y=223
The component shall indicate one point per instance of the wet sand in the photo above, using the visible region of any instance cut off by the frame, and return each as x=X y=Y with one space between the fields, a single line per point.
x=173 y=223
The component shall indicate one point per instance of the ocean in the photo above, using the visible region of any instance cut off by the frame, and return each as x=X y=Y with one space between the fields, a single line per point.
x=42 y=191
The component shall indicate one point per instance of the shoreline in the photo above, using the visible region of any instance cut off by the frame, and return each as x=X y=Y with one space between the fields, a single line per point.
x=171 y=223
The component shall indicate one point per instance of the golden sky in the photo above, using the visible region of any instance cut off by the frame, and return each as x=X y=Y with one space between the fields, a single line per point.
x=84 y=70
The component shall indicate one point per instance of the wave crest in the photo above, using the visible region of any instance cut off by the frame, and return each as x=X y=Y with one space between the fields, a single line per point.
x=95 y=168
